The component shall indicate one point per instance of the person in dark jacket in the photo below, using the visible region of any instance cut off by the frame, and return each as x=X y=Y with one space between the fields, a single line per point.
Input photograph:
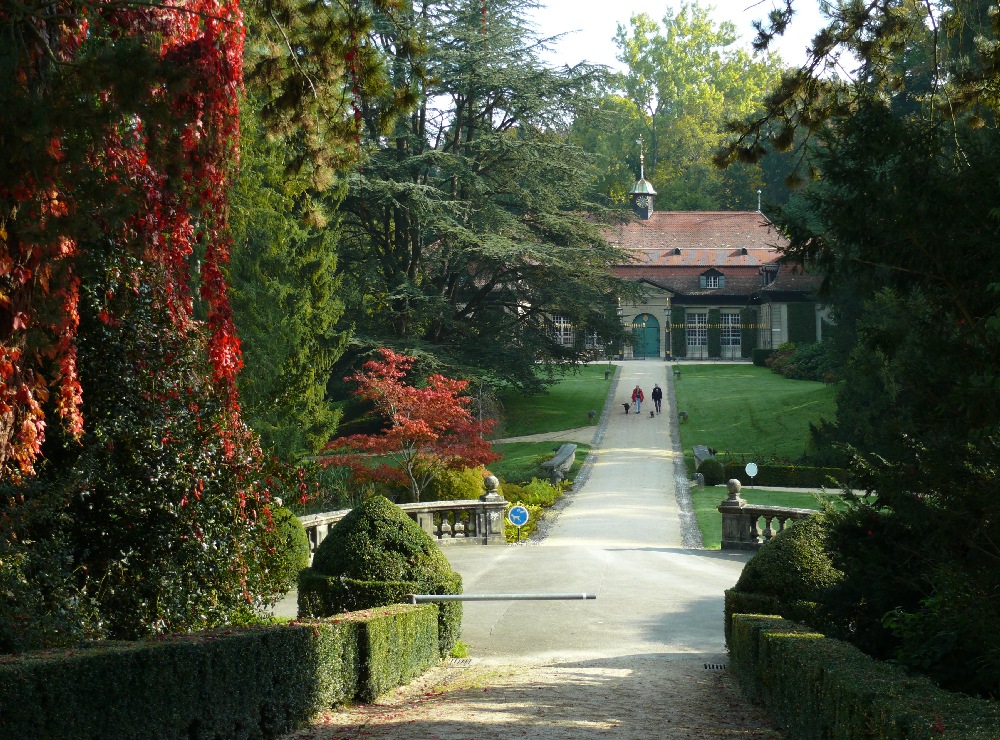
x=657 y=396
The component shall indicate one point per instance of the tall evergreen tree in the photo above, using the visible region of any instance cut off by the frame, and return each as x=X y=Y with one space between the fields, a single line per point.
x=286 y=297
x=464 y=229
x=901 y=207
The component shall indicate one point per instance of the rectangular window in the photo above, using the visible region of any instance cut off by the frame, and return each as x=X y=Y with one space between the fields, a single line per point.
x=562 y=331
x=730 y=329
x=697 y=329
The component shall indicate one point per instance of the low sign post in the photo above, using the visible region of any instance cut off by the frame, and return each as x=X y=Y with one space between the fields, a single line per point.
x=751 y=469
x=518 y=516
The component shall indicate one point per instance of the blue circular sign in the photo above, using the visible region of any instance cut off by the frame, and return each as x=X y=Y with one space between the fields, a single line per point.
x=518 y=516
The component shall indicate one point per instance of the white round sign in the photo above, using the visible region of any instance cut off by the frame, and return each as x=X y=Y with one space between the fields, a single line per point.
x=751 y=469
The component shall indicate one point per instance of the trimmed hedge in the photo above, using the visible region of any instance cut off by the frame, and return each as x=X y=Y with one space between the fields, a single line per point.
x=714 y=332
x=791 y=476
x=678 y=331
x=760 y=356
x=802 y=323
x=326 y=596
x=246 y=682
x=749 y=317
x=375 y=556
x=818 y=687
x=713 y=471
x=294 y=554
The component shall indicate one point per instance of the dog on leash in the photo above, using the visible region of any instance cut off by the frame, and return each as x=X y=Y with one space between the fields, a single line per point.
x=627 y=407
x=651 y=414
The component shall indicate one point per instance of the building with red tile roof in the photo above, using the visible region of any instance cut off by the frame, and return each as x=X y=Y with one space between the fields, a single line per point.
x=714 y=285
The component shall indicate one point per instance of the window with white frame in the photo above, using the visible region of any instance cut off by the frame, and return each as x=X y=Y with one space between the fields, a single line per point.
x=730 y=329
x=697 y=329
x=712 y=279
x=562 y=331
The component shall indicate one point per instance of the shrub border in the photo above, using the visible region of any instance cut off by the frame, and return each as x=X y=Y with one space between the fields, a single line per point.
x=818 y=687
x=246 y=682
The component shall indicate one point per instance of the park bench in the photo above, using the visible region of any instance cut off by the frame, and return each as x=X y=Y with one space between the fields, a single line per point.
x=560 y=463
x=701 y=454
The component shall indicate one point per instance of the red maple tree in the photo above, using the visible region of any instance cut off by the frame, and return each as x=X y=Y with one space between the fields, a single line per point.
x=428 y=428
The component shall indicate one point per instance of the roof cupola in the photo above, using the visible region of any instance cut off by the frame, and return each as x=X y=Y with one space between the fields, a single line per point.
x=642 y=192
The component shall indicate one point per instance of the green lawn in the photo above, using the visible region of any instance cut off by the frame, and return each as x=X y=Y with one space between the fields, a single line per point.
x=706 y=506
x=564 y=406
x=749 y=412
x=520 y=460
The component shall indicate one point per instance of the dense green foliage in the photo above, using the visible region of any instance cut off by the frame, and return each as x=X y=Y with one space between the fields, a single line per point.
x=377 y=555
x=465 y=224
x=456 y=485
x=818 y=687
x=257 y=682
x=901 y=216
x=684 y=77
x=293 y=548
x=795 y=565
x=285 y=298
x=378 y=542
x=788 y=476
x=154 y=521
x=820 y=361
x=713 y=472
x=536 y=496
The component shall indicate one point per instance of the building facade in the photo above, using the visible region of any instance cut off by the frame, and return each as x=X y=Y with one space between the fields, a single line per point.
x=713 y=285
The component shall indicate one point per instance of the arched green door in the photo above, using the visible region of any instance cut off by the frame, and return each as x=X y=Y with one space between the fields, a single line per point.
x=646 y=333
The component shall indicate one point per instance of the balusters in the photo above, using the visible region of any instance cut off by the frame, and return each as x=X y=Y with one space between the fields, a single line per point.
x=768 y=529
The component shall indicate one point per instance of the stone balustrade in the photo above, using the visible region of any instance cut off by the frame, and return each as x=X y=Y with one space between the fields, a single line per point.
x=471 y=522
x=741 y=522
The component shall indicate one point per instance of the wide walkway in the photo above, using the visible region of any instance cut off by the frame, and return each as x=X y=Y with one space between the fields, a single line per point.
x=620 y=538
x=641 y=661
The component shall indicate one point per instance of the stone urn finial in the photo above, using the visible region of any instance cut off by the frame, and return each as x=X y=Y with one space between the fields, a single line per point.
x=734 y=499
x=492 y=489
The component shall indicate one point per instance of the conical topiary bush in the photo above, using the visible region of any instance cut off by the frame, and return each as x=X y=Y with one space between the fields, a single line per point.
x=375 y=556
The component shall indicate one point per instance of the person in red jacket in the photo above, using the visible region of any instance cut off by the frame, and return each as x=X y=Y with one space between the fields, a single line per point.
x=637 y=398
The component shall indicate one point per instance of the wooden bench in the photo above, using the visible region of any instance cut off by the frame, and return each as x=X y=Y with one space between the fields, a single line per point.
x=560 y=463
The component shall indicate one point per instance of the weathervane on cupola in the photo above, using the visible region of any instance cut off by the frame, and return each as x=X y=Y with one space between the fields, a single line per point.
x=642 y=192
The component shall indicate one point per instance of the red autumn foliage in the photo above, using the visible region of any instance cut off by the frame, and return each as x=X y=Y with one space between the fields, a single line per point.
x=427 y=428
x=170 y=167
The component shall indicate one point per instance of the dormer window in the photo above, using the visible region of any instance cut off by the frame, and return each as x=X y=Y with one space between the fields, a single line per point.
x=712 y=279
x=768 y=273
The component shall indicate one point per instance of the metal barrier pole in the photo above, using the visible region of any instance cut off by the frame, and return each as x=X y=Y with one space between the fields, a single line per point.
x=424 y=598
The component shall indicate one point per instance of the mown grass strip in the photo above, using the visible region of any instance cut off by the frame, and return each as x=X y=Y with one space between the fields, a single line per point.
x=566 y=405
x=749 y=412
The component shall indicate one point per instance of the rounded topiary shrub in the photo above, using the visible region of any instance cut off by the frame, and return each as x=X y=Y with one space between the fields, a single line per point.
x=455 y=485
x=795 y=565
x=713 y=471
x=292 y=547
x=375 y=556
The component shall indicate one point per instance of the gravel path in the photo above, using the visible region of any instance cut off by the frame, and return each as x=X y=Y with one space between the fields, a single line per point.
x=645 y=660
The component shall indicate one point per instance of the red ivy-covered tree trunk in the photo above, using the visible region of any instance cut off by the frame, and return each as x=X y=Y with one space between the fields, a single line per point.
x=163 y=145
x=427 y=428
